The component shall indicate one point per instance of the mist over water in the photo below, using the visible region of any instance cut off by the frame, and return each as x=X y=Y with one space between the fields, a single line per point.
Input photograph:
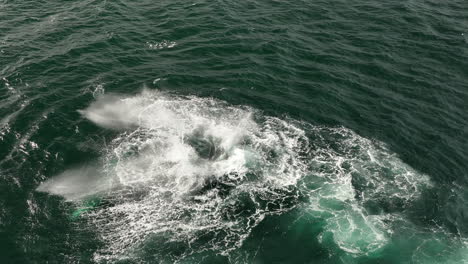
x=233 y=132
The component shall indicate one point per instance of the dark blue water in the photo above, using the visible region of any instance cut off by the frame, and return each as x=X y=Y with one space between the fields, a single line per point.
x=233 y=132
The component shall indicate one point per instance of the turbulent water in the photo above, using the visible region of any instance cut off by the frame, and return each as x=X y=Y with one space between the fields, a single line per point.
x=233 y=131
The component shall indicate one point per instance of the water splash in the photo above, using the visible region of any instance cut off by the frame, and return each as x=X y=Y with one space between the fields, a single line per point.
x=204 y=173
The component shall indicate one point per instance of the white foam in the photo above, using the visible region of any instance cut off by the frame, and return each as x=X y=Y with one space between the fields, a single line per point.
x=205 y=173
x=165 y=44
x=353 y=173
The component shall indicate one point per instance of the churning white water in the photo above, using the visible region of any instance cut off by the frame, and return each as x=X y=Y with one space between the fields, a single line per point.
x=204 y=173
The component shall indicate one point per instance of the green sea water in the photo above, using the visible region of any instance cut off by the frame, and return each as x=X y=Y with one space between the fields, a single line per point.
x=251 y=131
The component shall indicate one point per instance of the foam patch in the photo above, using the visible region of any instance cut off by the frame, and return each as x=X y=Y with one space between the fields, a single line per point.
x=204 y=173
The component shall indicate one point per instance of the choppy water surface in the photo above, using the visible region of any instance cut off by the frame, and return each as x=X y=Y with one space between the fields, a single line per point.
x=233 y=132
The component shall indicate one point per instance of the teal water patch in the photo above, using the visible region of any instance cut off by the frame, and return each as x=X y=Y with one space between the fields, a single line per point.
x=85 y=206
x=357 y=186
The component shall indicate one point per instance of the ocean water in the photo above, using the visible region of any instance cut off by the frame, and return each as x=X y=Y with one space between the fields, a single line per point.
x=252 y=131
